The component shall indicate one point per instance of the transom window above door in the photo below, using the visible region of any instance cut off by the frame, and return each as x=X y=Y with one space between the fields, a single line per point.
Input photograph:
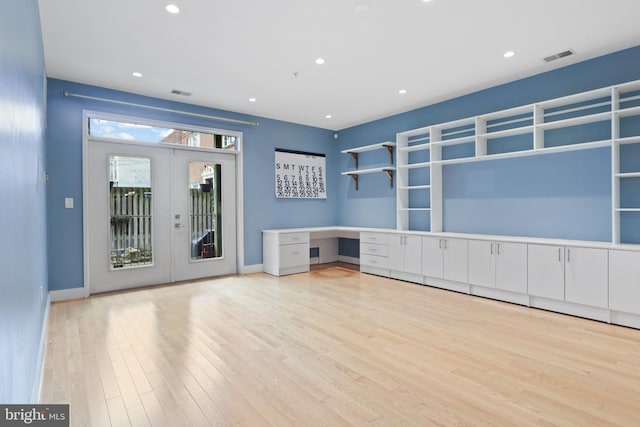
x=114 y=129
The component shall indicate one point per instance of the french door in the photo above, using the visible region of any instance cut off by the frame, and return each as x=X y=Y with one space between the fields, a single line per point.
x=157 y=214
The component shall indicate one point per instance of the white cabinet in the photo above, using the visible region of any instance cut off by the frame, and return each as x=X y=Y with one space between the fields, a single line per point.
x=405 y=253
x=482 y=264
x=374 y=250
x=501 y=265
x=572 y=274
x=624 y=281
x=432 y=257
x=445 y=259
x=586 y=276
x=511 y=267
x=546 y=271
x=285 y=253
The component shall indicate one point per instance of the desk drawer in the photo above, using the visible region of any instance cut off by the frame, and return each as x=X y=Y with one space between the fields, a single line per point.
x=373 y=249
x=293 y=238
x=379 y=238
x=374 y=261
x=294 y=255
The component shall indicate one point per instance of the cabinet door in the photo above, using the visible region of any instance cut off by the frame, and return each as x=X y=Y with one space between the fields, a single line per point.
x=432 y=257
x=511 y=267
x=546 y=271
x=396 y=251
x=624 y=281
x=456 y=260
x=413 y=254
x=482 y=264
x=586 y=276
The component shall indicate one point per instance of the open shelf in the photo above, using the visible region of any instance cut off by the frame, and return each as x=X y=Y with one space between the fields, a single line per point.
x=355 y=152
x=575 y=121
x=628 y=175
x=627 y=112
x=418 y=147
x=415 y=165
x=386 y=169
x=414 y=187
x=602 y=118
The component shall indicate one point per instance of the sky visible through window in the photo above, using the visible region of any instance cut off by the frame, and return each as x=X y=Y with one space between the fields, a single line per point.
x=129 y=131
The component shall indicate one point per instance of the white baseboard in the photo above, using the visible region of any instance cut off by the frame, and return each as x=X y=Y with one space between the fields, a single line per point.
x=36 y=391
x=67 y=294
x=349 y=260
x=249 y=269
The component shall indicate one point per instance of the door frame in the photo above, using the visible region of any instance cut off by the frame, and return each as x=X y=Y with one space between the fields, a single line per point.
x=85 y=291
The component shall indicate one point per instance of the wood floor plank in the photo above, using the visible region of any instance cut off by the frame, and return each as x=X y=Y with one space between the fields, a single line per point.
x=333 y=347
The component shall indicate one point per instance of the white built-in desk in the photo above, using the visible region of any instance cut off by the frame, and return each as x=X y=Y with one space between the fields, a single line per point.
x=286 y=251
x=596 y=280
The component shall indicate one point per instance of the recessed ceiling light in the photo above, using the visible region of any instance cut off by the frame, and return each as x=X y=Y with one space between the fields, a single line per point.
x=172 y=8
x=402 y=91
x=328 y=116
x=252 y=100
x=320 y=61
x=509 y=54
x=136 y=74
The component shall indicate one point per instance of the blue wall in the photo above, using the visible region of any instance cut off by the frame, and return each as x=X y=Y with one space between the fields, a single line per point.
x=22 y=217
x=564 y=195
x=261 y=209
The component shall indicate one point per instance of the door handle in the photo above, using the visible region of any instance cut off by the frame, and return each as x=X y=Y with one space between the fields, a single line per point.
x=177 y=225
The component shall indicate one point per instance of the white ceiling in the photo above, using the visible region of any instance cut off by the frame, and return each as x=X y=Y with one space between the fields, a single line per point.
x=226 y=52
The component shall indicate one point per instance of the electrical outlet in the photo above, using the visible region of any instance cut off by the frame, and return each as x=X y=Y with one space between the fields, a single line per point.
x=68 y=202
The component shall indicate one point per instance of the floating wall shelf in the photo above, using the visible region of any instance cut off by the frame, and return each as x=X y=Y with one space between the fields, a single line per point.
x=355 y=152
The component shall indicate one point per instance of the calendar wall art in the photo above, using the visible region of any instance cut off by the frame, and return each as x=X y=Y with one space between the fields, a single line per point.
x=300 y=175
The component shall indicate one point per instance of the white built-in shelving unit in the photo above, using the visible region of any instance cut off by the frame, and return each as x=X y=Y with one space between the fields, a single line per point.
x=606 y=117
x=355 y=153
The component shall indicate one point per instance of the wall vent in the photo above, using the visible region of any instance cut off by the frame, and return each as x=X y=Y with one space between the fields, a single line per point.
x=559 y=55
x=180 y=92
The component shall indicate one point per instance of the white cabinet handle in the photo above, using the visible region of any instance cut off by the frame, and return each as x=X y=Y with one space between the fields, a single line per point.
x=439 y=243
x=568 y=255
x=295 y=253
x=559 y=254
x=445 y=243
x=498 y=248
x=492 y=249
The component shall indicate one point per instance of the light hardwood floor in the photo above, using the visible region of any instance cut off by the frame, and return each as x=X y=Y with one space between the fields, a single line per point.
x=333 y=347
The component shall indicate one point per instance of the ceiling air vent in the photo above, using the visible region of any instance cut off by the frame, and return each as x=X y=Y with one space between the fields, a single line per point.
x=559 y=55
x=180 y=92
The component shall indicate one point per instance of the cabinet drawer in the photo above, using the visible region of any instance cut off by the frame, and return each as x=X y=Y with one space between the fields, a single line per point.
x=373 y=249
x=379 y=238
x=293 y=238
x=294 y=255
x=374 y=261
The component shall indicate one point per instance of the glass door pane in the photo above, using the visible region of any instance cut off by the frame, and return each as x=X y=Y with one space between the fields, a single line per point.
x=205 y=213
x=130 y=212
